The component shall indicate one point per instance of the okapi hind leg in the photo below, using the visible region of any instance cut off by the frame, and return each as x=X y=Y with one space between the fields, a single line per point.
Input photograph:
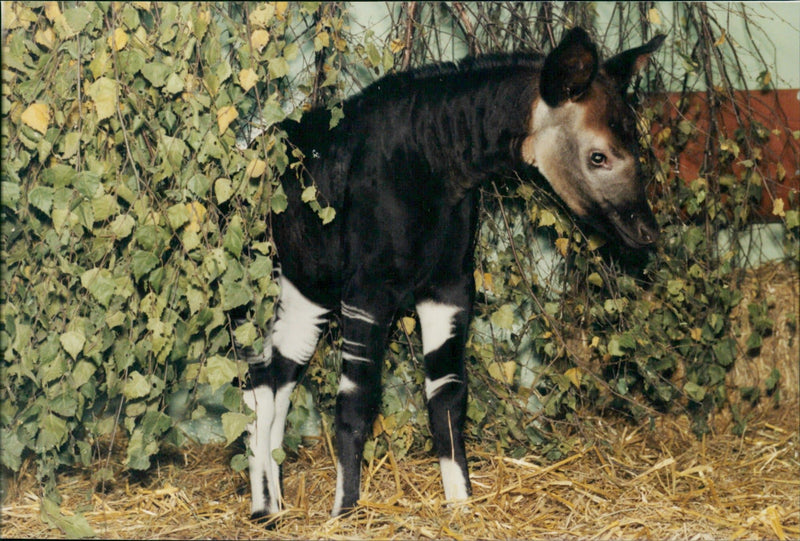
x=293 y=339
x=366 y=317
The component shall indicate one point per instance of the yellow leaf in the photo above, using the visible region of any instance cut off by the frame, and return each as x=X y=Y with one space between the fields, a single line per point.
x=407 y=324
x=259 y=39
x=575 y=375
x=262 y=15
x=595 y=341
x=225 y=116
x=546 y=218
x=396 y=45
x=488 y=279
x=197 y=213
x=37 y=116
x=247 y=79
x=562 y=244
x=52 y=11
x=777 y=208
x=780 y=171
x=654 y=16
x=696 y=333
x=596 y=241
x=45 y=38
x=256 y=168
x=118 y=40
x=503 y=371
x=720 y=39
x=142 y=5
x=280 y=8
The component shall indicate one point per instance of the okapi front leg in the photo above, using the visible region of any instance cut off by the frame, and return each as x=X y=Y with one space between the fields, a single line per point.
x=444 y=330
x=358 y=402
x=272 y=378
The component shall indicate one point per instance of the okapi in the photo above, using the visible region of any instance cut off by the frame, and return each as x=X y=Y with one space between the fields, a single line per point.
x=402 y=169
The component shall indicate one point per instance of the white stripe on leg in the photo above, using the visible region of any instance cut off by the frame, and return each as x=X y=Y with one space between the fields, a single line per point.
x=339 y=496
x=298 y=325
x=433 y=387
x=436 y=321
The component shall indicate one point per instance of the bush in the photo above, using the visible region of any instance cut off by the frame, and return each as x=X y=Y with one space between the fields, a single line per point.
x=140 y=169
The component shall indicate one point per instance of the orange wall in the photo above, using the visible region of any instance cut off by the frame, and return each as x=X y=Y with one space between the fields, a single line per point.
x=778 y=111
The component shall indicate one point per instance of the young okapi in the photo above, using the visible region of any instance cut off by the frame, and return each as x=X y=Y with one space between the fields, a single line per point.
x=402 y=171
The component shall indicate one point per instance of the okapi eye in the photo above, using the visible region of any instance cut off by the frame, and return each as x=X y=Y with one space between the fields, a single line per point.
x=598 y=159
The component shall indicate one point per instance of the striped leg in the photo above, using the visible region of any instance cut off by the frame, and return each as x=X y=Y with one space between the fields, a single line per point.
x=444 y=324
x=364 y=331
x=272 y=378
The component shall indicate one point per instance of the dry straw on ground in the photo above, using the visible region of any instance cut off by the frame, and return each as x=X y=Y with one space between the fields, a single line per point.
x=624 y=481
x=650 y=482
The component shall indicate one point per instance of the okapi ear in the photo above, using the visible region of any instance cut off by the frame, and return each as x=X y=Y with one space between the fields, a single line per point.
x=569 y=69
x=621 y=68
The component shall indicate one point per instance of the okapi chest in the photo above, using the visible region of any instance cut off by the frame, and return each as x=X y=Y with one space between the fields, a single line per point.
x=401 y=170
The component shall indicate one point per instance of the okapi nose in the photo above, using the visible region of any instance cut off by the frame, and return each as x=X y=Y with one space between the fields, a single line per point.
x=646 y=234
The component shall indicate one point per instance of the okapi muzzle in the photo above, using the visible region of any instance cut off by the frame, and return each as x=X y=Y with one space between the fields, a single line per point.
x=583 y=137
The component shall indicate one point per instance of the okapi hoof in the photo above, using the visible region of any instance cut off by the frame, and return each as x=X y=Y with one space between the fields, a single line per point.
x=344 y=511
x=264 y=518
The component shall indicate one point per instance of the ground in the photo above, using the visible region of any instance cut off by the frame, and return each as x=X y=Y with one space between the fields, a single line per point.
x=625 y=481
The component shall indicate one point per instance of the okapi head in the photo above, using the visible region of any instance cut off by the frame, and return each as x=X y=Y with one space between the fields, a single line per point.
x=583 y=136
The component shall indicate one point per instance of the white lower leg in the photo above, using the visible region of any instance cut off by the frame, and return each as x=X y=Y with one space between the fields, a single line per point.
x=455 y=485
x=261 y=401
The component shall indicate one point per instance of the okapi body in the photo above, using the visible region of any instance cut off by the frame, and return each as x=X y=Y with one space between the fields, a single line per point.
x=402 y=170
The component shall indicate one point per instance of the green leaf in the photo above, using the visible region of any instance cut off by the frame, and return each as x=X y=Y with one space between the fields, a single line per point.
x=122 y=226
x=156 y=73
x=337 y=114
x=504 y=317
x=309 y=194
x=72 y=342
x=41 y=197
x=74 y=526
x=327 y=214
x=9 y=194
x=73 y=22
x=104 y=207
x=694 y=391
x=139 y=451
x=87 y=183
x=177 y=215
x=614 y=348
x=219 y=371
x=234 y=424
x=234 y=238
x=82 y=373
x=100 y=284
x=278 y=67
x=279 y=201
x=239 y=462
x=235 y=294
x=245 y=334
x=222 y=190
x=174 y=84
x=142 y=262
x=136 y=386
x=772 y=380
x=104 y=95
x=52 y=432
x=11 y=450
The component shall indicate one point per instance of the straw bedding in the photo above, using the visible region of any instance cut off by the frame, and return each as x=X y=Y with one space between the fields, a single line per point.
x=623 y=481
x=654 y=482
